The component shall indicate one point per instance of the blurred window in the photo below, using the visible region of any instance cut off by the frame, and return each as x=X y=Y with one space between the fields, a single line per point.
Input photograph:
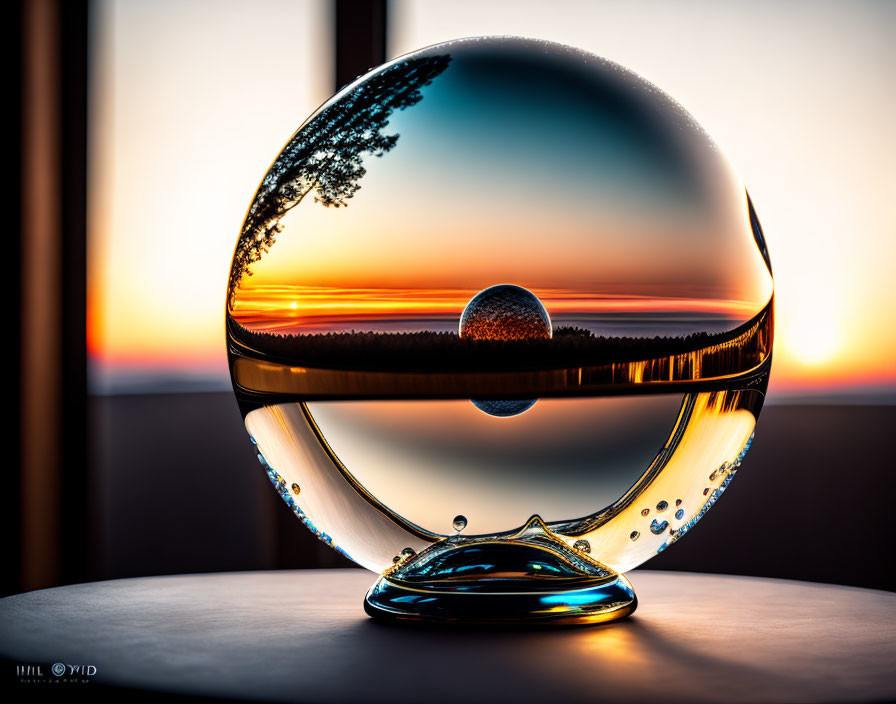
x=190 y=102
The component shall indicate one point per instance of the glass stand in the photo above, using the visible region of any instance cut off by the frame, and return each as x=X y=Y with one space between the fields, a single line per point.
x=530 y=578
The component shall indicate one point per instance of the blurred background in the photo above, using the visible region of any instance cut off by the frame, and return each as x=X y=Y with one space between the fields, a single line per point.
x=145 y=129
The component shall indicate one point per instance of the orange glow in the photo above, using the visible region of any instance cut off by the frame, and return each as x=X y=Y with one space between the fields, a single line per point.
x=295 y=307
x=176 y=149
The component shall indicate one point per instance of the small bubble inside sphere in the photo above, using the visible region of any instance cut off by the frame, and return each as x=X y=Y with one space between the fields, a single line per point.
x=505 y=312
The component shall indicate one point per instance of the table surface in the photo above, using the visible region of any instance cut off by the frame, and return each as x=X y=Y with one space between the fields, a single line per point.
x=303 y=636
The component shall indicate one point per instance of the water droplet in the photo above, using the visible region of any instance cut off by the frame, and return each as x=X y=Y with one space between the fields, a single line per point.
x=678 y=502
x=634 y=535
x=396 y=559
x=296 y=489
x=459 y=523
x=662 y=506
x=679 y=514
x=582 y=546
x=706 y=491
x=712 y=475
x=645 y=511
x=408 y=552
x=657 y=527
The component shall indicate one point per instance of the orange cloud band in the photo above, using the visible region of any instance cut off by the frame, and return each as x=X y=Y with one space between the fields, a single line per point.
x=296 y=306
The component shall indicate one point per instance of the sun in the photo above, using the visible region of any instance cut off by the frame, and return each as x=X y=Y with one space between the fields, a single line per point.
x=813 y=338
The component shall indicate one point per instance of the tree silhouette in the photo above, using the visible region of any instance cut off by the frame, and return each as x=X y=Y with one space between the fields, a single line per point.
x=699 y=354
x=326 y=155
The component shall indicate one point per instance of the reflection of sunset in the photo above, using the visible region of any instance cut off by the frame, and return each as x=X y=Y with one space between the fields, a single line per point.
x=307 y=308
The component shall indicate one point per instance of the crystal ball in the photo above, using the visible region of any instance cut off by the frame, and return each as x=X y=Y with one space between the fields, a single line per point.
x=505 y=221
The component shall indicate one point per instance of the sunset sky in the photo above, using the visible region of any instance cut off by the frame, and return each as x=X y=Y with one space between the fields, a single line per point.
x=315 y=309
x=185 y=122
x=520 y=164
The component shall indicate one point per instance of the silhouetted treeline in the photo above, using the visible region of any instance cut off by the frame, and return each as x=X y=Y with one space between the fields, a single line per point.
x=326 y=157
x=446 y=351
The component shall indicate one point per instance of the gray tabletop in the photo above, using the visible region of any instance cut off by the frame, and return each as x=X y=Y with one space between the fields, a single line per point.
x=302 y=636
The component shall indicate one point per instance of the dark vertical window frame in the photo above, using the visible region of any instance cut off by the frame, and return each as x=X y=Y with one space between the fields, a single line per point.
x=51 y=469
x=76 y=482
x=360 y=37
x=10 y=514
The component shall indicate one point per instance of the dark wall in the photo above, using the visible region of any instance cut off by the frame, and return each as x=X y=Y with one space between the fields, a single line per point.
x=186 y=494
x=181 y=491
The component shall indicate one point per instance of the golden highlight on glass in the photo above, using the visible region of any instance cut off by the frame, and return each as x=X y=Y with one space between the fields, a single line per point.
x=500 y=323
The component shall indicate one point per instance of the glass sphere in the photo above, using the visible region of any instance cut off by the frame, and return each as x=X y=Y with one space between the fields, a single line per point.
x=503 y=221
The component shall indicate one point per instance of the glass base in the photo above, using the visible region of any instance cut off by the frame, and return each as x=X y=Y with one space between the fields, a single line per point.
x=531 y=578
